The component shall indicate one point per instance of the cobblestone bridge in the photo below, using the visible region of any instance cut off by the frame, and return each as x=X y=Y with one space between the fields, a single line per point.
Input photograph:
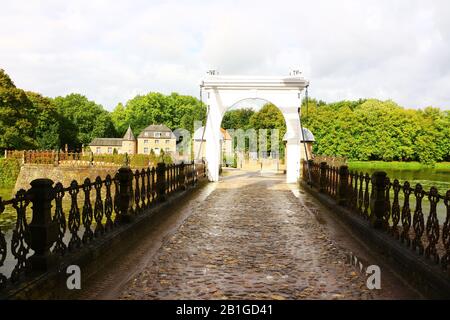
x=248 y=236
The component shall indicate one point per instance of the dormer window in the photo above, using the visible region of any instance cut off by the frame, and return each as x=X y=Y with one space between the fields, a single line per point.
x=157 y=134
x=146 y=133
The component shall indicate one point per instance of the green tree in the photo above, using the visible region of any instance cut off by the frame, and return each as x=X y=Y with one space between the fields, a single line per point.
x=269 y=117
x=82 y=120
x=17 y=116
x=174 y=110
x=237 y=118
x=47 y=128
x=118 y=117
x=378 y=130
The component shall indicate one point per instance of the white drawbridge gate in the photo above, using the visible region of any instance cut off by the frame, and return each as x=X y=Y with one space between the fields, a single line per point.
x=221 y=92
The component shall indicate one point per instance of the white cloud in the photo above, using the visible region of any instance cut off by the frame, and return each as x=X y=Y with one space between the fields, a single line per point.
x=110 y=51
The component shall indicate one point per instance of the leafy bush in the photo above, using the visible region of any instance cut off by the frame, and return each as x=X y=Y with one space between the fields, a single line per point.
x=378 y=130
x=9 y=171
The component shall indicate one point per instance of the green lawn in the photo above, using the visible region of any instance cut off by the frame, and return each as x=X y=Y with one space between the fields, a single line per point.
x=396 y=165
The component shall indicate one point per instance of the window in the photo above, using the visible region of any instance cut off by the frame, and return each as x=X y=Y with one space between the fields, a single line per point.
x=167 y=149
x=98 y=150
x=146 y=150
x=167 y=141
x=156 y=141
x=109 y=149
x=145 y=141
x=145 y=134
x=157 y=134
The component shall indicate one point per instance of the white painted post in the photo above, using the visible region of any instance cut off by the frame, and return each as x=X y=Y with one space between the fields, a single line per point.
x=292 y=162
x=212 y=137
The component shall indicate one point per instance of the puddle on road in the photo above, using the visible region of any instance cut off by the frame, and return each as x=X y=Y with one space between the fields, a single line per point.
x=308 y=206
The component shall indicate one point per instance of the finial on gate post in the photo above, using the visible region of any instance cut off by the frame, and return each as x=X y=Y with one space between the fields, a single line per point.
x=212 y=72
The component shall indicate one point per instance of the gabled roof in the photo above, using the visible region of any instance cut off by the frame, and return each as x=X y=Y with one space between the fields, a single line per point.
x=156 y=128
x=105 y=142
x=129 y=136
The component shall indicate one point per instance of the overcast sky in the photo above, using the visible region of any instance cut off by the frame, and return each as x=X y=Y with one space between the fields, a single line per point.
x=113 y=50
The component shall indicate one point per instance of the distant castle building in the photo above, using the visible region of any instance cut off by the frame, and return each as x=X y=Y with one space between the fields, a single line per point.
x=154 y=137
x=127 y=144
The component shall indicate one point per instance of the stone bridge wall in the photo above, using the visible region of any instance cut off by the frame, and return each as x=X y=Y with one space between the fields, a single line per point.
x=63 y=174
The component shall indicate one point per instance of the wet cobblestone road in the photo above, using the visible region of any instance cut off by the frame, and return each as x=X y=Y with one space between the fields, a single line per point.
x=250 y=239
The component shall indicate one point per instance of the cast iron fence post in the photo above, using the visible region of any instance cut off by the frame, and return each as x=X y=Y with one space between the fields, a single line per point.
x=378 y=199
x=161 y=181
x=182 y=176
x=204 y=168
x=342 y=186
x=42 y=230
x=303 y=167
x=323 y=177
x=194 y=173
x=57 y=158
x=126 y=196
x=311 y=173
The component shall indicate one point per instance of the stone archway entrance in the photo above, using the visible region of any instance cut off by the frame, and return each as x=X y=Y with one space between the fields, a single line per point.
x=221 y=92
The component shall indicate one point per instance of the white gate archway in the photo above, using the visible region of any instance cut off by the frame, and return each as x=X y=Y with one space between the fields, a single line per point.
x=221 y=92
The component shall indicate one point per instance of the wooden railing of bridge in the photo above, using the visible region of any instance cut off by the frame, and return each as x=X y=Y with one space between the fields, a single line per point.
x=78 y=159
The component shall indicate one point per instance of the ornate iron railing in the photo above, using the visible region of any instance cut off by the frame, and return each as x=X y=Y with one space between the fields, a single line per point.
x=418 y=218
x=62 y=220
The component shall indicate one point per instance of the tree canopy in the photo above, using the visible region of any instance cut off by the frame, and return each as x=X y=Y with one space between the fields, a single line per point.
x=237 y=118
x=17 y=120
x=82 y=120
x=47 y=129
x=28 y=120
x=174 y=110
x=268 y=117
x=378 y=130
x=367 y=129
